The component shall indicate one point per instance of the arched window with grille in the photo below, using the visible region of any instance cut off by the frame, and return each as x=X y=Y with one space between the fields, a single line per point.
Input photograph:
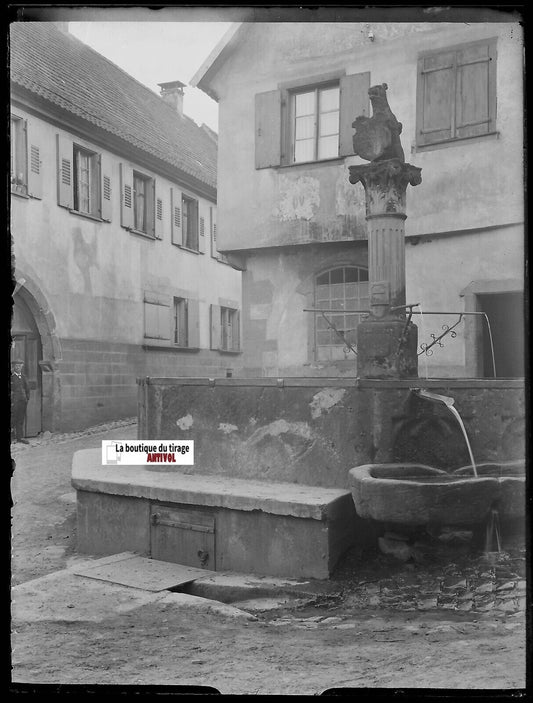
x=339 y=289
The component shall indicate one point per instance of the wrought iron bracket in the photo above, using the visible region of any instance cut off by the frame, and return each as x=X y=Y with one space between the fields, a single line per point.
x=426 y=348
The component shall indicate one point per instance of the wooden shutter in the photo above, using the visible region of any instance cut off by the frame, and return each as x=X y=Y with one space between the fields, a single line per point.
x=268 y=129
x=157 y=318
x=213 y=232
x=201 y=227
x=35 y=176
x=158 y=209
x=215 y=339
x=65 y=174
x=354 y=101
x=158 y=217
x=175 y=216
x=237 y=331
x=475 y=99
x=436 y=98
x=126 y=195
x=193 y=323
x=106 y=188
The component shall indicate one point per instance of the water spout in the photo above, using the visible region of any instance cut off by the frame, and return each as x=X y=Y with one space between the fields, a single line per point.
x=448 y=402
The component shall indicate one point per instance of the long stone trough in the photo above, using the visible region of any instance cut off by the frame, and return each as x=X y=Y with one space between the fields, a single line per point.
x=269 y=492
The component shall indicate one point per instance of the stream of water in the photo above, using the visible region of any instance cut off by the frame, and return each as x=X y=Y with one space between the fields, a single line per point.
x=462 y=426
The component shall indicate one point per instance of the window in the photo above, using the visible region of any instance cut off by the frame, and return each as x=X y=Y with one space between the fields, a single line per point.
x=18 y=155
x=456 y=93
x=340 y=289
x=26 y=175
x=229 y=320
x=86 y=182
x=141 y=209
x=83 y=179
x=140 y=203
x=180 y=322
x=189 y=209
x=225 y=328
x=315 y=124
x=309 y=120
x=171 y=321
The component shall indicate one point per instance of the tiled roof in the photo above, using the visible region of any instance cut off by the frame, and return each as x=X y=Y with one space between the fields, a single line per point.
x=65 y=71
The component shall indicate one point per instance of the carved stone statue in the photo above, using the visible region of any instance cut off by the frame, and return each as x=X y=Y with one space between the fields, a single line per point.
x=387 y=339
x=377 y=138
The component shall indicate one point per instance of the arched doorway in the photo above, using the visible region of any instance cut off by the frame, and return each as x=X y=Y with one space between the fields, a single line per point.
x=26 y=345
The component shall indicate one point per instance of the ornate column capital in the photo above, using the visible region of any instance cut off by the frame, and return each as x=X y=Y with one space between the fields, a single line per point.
x=385 y=183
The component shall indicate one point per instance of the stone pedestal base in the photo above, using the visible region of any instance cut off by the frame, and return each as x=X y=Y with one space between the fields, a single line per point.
x=386 y=349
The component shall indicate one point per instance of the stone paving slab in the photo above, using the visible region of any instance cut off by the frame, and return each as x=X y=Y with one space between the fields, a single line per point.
x=66 y=597
x=130 y=569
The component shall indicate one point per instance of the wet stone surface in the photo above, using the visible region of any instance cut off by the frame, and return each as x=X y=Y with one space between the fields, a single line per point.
x=451 y=578
x=446 y=579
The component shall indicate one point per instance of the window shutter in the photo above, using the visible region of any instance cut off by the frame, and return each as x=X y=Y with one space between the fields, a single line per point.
x=354 y=101
x=473 y=90
x=157 y=319
x=157 y=210
x=193 y=322
x=164 y=319
x=237 y=331
x=268 y=129
x=35 y=178
x=106 y=190
x=126 y=195
x=201 y=228
x=215 y=340
x=213 y=232
x=65 y=176
x=159 y=218
x=175 y=216
x=435 y=98
x=151 y=322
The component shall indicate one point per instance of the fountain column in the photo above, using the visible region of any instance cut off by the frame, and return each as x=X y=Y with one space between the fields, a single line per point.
x=387 y=340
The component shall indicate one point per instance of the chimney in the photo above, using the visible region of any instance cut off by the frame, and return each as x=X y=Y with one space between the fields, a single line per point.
x=172 y=93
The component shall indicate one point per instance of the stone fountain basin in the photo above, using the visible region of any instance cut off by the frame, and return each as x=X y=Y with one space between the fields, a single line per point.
x=415 y=494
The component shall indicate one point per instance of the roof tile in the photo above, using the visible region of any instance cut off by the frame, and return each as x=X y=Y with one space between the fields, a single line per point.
x=68 y=73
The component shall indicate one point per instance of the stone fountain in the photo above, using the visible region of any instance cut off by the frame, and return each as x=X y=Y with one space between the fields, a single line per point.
x=386 y=340
x=408 y=494
x=271 y=490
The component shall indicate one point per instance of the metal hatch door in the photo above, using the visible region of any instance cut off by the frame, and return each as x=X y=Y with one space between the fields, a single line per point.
x=182 y=536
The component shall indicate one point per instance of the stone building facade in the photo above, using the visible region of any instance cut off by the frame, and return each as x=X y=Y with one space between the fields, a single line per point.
x=288 y=94
x=113 y=225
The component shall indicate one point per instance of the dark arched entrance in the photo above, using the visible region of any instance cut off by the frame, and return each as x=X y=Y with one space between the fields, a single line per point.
x=26 y=345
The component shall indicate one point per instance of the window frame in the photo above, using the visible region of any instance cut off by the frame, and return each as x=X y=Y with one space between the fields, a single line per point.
x=190 y=222
x=229 y=329
x=148 y=228
x=317 y=304
x=94 y=181
x=225 y=324
x=159 y=323
x=272 y=120
x=316 y=89
x=18 y=155
x=423 y=143
x=180 y=321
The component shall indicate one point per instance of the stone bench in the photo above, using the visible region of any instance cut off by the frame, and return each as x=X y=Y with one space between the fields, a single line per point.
x=214 y=522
